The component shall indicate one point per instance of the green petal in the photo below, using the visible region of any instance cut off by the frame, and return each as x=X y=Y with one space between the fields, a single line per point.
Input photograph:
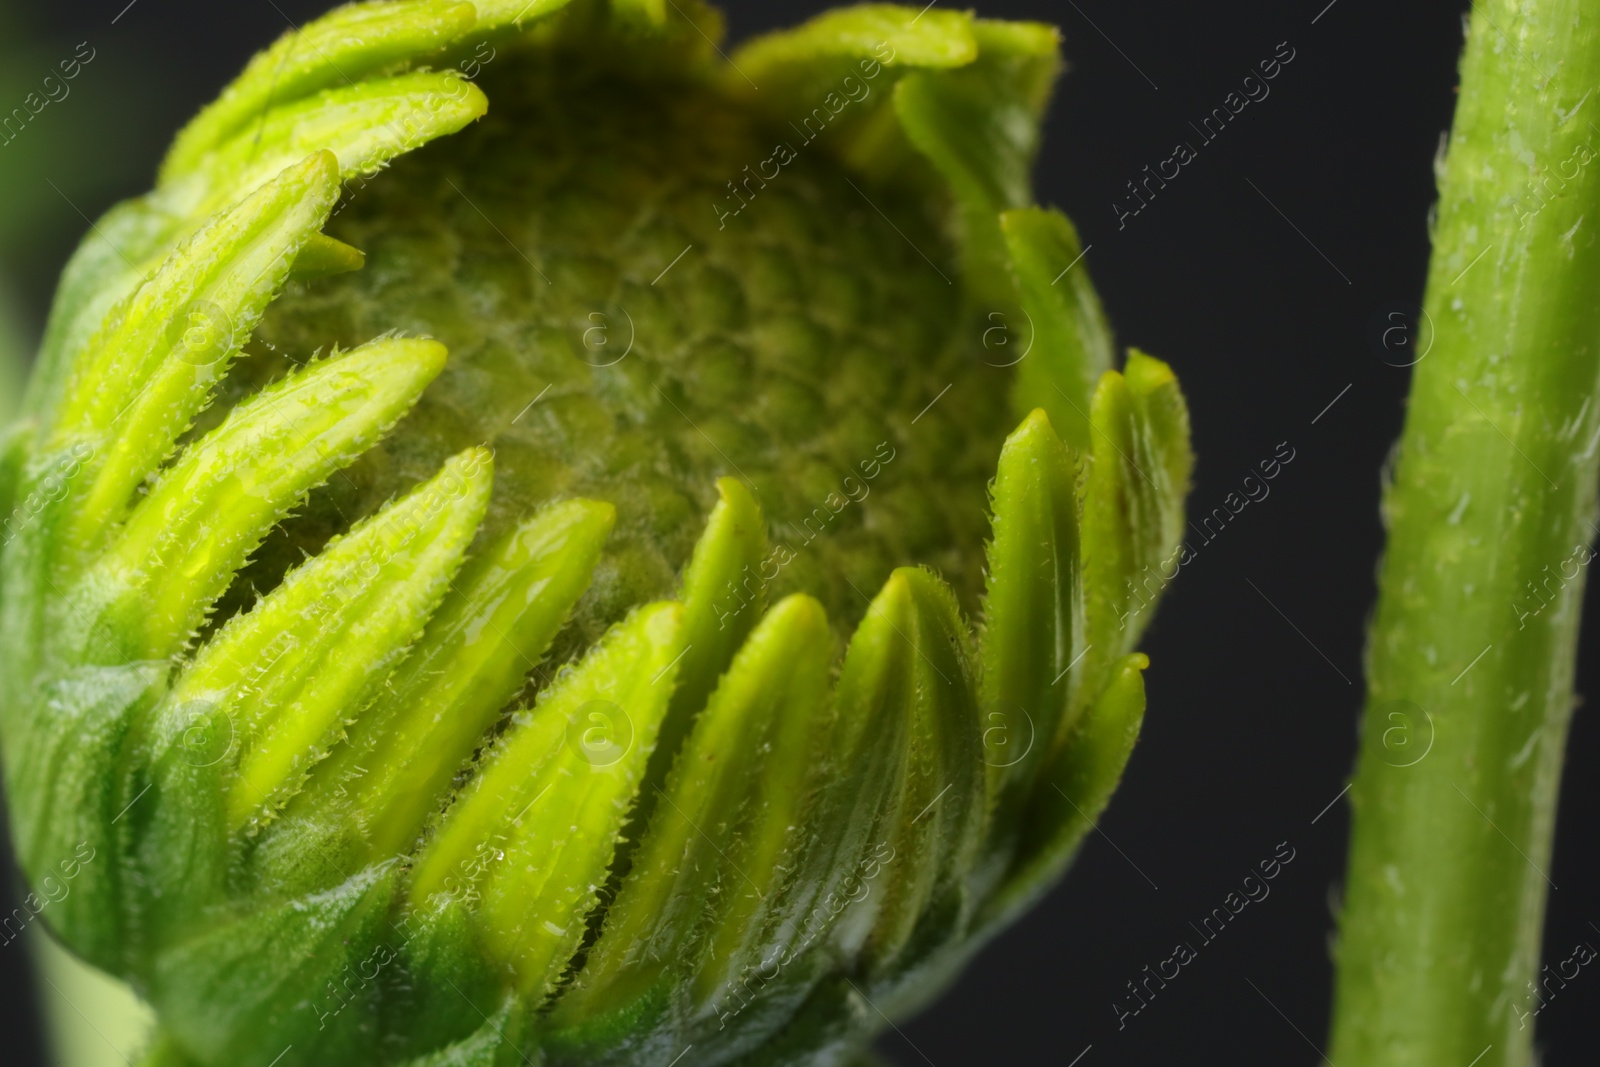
x=225 y=493
x=500 y=616
x=1025 y=60
x=106 y=268
x=709 y=876
x=979 y=127
x=65 y=777
x=785 y=757
x=720 y=607
x=275 y=976
x=831 y=79
x=1034 y=616
x=1074 y=790
x=551 y=798
x=364 y=125
x=262 y=124
x=1071 y=338
x=723 y=597
x=496 y=14
x=933 y=38
x=1133 y=507
x=314 y=651
x=498 y=1041
x=158 y=360
x=908 y=683
x=1163 y=421
x=323 y=257
x=346 y=44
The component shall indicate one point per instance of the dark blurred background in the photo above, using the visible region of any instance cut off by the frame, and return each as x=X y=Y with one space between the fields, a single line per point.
x=1265 y=273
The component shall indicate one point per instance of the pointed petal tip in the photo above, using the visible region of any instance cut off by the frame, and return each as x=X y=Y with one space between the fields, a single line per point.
x=1035 y=422
x=468 y=475
x=800 y=611
x=1145 y=373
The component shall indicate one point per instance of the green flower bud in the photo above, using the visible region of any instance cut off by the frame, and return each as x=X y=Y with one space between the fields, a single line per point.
x=386 y=585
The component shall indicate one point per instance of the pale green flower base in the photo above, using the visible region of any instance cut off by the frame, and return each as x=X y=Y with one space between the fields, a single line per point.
x=91 y=1019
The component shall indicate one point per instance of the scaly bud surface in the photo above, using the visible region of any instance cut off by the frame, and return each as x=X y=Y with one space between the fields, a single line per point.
x=493 y=552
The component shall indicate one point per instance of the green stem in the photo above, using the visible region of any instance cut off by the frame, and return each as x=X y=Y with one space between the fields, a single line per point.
x=1471 y=659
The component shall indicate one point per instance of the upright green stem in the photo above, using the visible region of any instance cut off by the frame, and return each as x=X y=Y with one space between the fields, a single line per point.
x=1471 y=658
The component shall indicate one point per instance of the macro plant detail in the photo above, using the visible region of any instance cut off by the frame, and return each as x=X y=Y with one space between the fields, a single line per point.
x=442 y=499
x=1491 y=498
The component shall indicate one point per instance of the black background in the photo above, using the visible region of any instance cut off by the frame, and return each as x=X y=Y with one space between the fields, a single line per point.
x=1257 y=274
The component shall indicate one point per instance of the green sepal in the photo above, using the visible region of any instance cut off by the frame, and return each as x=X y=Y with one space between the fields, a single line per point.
x=364 y=125
x=324 y=257
x=66 y=780
x=282 y=979
x=1163 y=423
x=108 y=265
x=504 y=14
x=1071 y=340
x=452 y=988
x=348 y=44
x=831 y=79
x=313 y=652
x=1073 y=791
x=723 y=596
x=155 y=364
x=719 y=606
x=979 y=127
x=227 y=490
x=377 y=788
x=908 y=680
x=1133 y=507
x=257 y=130
x=1034 y=618
x=503 y=1040
x=181 y=848
x=831 y=1025
x=551 y=798
x=932 y=38
x=1024 y=59
x=782 y=756
x=344 y=45
x=712 y=881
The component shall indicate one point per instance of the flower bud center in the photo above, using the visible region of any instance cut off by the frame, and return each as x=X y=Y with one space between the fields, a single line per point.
x=643 y=286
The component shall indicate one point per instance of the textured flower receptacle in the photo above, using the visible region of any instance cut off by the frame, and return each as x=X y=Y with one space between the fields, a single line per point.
x=511 y=603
